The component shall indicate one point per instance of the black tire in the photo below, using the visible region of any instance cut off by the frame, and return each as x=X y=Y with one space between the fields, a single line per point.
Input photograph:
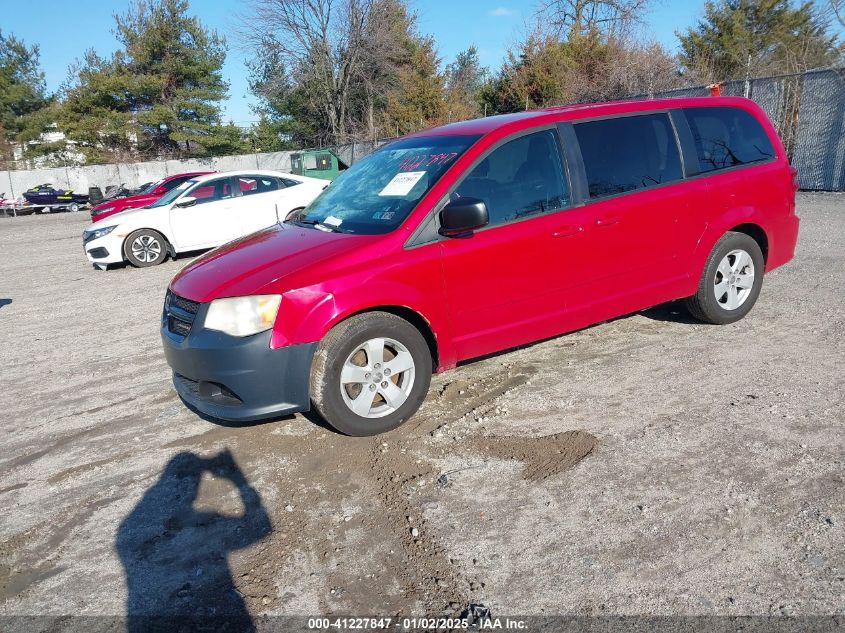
x=143 y=258
x=704 y=305
x=294 y=214
x=334 y=350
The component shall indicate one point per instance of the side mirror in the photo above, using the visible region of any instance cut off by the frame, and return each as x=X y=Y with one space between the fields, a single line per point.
x=187 y=201
x=463 y=215
x=159 y=191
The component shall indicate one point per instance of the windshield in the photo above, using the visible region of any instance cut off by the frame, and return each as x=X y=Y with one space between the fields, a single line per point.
x=171 y=195
x=377 y=193
x=148 y=188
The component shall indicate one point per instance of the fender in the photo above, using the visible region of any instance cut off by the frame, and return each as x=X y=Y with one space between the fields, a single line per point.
x=307 y=314
x=714 y=230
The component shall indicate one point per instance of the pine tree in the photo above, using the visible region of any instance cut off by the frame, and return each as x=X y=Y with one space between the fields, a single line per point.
x=23 y=95
x=465 y=77
x=159 y=95
x=419 y=101
x=737 y=39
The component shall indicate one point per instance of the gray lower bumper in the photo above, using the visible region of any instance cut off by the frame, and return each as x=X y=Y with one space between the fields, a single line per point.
x=239 y=378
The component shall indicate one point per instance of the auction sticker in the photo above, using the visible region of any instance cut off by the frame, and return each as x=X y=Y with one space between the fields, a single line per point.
x=402 y=183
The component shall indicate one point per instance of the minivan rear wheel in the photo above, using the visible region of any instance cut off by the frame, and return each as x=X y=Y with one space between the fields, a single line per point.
x=370 y=373
x=731 y=282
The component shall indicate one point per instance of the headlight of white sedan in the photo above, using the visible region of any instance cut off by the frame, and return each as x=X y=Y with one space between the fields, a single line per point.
x=242 y=316
x=96 y=234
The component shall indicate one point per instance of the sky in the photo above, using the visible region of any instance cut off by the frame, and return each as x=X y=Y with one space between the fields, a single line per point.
x=64 y=29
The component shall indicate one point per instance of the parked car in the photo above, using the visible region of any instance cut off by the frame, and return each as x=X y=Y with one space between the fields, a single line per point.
x=147 y=195
x=47 y=195
x=477 y=237
x=202 y=212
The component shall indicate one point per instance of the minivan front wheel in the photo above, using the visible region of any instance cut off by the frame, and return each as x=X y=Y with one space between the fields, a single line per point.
x=370 y=374
x=731 y=281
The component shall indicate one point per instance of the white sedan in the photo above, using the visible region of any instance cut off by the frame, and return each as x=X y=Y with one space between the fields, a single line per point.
x=201 y=213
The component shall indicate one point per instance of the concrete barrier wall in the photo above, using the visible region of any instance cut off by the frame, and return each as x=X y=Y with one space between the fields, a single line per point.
x=14 y=183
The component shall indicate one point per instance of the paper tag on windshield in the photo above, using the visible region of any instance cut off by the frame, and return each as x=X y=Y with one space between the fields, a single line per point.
x=402 y=183
x=332 y=221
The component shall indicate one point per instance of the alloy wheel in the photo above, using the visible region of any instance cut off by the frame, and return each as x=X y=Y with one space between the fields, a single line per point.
x=377 y=377
x=734 y=279
x=146 y=248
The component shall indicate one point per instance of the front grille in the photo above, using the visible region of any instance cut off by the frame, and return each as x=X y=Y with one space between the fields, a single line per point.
x=179 y=314
x=184 y=304
x=178 y=326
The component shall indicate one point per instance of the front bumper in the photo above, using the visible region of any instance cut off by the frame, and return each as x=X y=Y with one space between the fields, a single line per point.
x=105 y=250
x=237 y=378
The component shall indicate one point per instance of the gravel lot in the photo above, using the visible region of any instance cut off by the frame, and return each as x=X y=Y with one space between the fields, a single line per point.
x=693 y=469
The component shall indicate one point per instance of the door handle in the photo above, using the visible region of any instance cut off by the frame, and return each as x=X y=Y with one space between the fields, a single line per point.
x=566 y=231
x=608 y=221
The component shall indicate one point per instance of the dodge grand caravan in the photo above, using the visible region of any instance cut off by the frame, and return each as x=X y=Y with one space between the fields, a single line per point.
x=476 y=237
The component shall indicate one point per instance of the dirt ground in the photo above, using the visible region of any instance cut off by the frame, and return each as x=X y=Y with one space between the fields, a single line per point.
x=646 y=465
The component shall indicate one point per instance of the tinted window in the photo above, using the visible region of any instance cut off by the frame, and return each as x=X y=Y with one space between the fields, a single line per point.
x=628 y=153
x=522 y=177
x=727 y=137
x=290 y=182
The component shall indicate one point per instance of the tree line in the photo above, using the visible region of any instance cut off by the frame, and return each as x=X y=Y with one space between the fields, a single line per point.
x=336 y=71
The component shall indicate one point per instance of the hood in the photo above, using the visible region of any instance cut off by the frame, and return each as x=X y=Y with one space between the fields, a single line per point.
x=248 y=265
x=124 y=203
x=124 y=215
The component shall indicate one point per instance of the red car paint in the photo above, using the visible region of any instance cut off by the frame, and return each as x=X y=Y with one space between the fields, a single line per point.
x=141 y=200
x=519 y=282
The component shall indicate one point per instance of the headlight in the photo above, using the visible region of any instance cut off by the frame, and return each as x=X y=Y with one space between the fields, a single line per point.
x=242 y=316
x=106 y=210
x=96 y=234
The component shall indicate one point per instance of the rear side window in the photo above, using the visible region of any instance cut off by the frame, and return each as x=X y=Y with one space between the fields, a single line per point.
x=727 y=137
x=522 y=177
x=250 y=185
x=628 y=153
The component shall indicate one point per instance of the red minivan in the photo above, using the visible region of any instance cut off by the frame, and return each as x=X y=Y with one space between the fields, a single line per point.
x=477 y=237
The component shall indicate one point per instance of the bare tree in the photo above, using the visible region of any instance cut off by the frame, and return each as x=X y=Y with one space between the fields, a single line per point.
x=838 y=7
x=322 y=39
x=571 y=18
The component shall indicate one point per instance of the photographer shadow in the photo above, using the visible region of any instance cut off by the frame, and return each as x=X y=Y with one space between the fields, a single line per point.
x=176 y=557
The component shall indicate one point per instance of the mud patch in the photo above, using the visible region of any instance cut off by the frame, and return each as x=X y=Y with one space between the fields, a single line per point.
x=543 y=457
x=13 y=582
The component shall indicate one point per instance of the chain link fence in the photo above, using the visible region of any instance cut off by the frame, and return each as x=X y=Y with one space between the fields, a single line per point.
x=808 y=111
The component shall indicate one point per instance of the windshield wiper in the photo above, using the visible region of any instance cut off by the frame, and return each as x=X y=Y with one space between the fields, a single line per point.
x=319 y=225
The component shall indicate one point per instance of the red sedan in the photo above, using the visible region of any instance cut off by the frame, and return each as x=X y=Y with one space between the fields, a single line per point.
x=147 y=196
